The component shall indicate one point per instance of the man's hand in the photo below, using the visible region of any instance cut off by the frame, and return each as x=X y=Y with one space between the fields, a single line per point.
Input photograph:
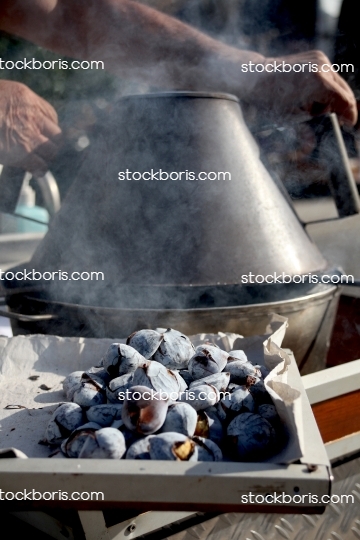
x=305 y=93
x=29 y=130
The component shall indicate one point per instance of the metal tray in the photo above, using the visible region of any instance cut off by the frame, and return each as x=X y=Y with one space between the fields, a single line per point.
x=200 y=487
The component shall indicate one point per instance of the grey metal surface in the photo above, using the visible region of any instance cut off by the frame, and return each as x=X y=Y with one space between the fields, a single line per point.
x=146 y=523
x=50 y=192
x=157 y=486
x=339 y=522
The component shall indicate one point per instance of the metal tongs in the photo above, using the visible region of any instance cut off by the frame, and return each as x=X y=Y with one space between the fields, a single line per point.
x=331 y=148
x=331 y=151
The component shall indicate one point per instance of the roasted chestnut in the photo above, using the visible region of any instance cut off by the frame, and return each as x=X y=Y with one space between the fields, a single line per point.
x=64 y=420
x=251 y=437
x=175 y=350
x=180 y=418
x=144 y=410
x=146 y=342
x=207 y=360
x=173 y=446
x=120 y=359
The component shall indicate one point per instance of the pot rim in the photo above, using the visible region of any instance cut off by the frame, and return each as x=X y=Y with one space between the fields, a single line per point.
x=330 y=291
x=182 y=94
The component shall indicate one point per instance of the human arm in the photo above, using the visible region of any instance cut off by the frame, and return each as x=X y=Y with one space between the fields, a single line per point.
x=144 y=44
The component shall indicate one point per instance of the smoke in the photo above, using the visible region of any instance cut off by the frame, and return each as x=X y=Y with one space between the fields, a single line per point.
x=171 y=245
x=168 y=237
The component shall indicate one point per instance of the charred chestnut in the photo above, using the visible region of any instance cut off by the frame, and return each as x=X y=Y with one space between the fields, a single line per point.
x=146 y=342
x=144 y=410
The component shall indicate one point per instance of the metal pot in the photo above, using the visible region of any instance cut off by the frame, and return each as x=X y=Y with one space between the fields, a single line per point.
x=177 y=244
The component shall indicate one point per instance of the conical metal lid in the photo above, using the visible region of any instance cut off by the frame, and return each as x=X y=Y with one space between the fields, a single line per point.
x=178 y=231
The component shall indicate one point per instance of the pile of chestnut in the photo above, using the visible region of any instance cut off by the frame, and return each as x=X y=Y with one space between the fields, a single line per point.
x=159 y=397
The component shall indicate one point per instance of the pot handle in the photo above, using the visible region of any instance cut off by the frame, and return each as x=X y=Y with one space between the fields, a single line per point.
x=27 y=318
x=341 y=182
x=11 y=181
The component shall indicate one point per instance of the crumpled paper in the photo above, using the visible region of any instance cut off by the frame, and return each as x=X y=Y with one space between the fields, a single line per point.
x=32 y=369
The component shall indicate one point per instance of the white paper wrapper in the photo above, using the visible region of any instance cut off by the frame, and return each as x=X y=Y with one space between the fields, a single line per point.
x=27 y=404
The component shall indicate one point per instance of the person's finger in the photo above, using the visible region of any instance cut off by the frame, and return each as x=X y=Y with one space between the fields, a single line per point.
x=343 y=105
x=344 y=100
x=341 y=96
x=313 y=92
x=328 y=95
x=50 y=130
